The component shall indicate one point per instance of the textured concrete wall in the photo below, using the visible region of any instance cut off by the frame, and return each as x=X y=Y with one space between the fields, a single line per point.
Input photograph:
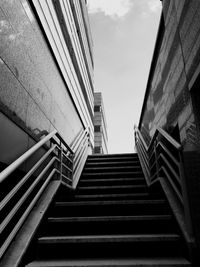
x=32 y=91
x=170 y=90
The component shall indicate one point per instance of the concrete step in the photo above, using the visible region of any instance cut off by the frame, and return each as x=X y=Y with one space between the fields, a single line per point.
x=111 y=181
x=142 y=224
x=112 y=163
x=110 y=207
x=109 y=238
x=111 y=169
x=108 y=246
x=118 y=196
x=111 y=218
x=111 y=203
x=112 y=189
x=131 y=262
x=113 y=174
x=107 y=156
x=112 y=157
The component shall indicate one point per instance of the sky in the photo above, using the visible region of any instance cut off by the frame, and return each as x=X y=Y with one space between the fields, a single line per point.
x=124 y=34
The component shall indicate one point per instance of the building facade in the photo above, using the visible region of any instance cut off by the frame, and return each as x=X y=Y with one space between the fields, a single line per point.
x=46 y=70
x=100 y=126
x=172 y=98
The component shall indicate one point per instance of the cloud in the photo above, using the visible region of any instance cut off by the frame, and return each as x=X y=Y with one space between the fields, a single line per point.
x=150 y=7
x=112 y=8
x=154 y=6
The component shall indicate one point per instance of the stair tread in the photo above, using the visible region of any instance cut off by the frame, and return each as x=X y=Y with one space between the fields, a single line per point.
x=111 y=187
x=113 y=158
x=112 y=179
x=153 y=262
x=111 y=202
x=131 y=162
x=111 y=195
x=114 y=154
x=109 y=218
x=110 y=238
x=112 y=168
x=110 y=173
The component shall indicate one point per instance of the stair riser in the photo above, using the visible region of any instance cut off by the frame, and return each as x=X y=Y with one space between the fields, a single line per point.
x=100 y=164
x=111 y=182
x=112 y=169
x=104 y=197
x=109 y=227
x=110 y=190
x=116 y=156
x=108 y=250
x=109 y=210
x=105 y=175
x=112 y=159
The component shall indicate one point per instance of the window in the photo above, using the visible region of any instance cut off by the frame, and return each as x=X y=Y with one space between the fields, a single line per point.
x=97 y=149
x=97 y=128
x=97 y=108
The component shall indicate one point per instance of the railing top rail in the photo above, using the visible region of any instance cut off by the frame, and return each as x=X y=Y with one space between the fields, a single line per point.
x=157 y=132
x=80 y=139
x=13 y=166
x=73 y=144
x=65 y=144
x=169 y=138
x=141 y=137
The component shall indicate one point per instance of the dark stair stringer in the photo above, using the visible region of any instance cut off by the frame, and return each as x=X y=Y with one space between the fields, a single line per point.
x=111 y=219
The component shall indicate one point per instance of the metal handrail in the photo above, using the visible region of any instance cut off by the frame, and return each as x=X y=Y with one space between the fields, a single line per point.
x=57 y=161
x=12 y=167
x=162 y=159
x=82 y=151
x=8 y=197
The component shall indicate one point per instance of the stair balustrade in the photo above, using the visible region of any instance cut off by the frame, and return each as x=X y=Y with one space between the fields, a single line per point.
x=20 y=191
x=162 y=161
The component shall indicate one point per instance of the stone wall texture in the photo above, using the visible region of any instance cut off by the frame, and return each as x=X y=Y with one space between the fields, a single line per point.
x=33 y=93
x=174 y=74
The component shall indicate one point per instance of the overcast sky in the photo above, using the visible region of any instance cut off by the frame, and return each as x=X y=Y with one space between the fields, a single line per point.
x=124 y=33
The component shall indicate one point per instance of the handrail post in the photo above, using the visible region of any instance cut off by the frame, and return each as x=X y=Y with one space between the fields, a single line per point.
x=88 y=137
x=72 y=168
x=61 y=160
x=187 y=213
x=156 y=157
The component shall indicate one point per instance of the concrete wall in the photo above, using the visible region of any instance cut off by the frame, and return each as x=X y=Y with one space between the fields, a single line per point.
x=33 y=93
x=172 y=99
x=174 y=70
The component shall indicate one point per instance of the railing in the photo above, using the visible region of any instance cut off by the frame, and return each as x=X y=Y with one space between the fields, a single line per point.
x=20 y=194
x=162 y=162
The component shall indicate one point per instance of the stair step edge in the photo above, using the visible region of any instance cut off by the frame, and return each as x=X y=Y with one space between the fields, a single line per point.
x=110 y=202
x=110 y=218
x=113 y=167
x=131 y=162
x=109 y=238
x=139 y=262
x=112 y=180
x=114 y=154
x=110 y=173
x=111 y=187
x=111 y=195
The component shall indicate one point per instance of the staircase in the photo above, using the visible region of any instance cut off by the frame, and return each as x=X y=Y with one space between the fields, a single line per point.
x=111 y=219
